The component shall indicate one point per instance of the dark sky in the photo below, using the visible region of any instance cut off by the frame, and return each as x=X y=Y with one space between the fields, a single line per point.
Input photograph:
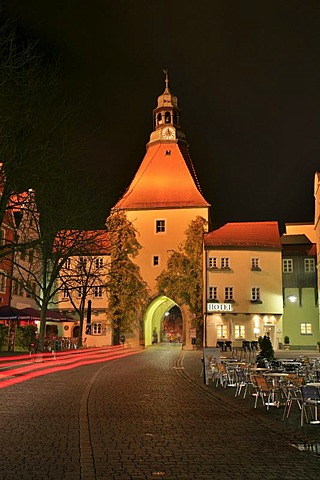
x=247 y=76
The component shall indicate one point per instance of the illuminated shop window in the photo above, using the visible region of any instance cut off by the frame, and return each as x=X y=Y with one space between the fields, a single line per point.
x=222 y=331
x=306 y=329
x=239 y=331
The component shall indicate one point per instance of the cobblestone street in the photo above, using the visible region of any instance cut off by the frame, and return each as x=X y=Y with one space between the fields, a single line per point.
x=144 y=417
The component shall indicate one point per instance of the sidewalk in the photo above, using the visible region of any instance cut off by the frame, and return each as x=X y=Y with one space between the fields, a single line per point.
x=309 y=434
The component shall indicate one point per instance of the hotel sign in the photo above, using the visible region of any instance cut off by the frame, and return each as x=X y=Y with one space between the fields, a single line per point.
x=219 y=307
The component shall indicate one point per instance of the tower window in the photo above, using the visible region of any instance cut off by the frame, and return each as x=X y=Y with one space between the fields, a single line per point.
x=167 y=117
x=160 y=226
x=159 y=118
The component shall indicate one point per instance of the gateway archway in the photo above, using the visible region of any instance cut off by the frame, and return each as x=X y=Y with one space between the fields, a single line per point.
x=163 y=321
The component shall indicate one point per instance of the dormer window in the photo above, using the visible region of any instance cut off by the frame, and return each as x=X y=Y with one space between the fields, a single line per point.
x=167 y=117
x=168 y=152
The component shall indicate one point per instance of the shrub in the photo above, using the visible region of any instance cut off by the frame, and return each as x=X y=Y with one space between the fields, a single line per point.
x=267 y=352
x=25 y=336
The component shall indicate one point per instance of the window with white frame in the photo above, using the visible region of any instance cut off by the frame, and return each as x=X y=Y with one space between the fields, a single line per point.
x=213 y=262
x=99 y=262
x=67 y=264
x=65 y=292
x=228 y=294
x=222 y=331
x=160 y=226
x=306 y=329
x=287 y=265
x=96 y=328
x=97 y=291
x=255 y=294
x=225 y=262
x=239 y=331
x=309 y=265
x=3 y=282
x=213 y=293
x=255 y=263
x=80 y=292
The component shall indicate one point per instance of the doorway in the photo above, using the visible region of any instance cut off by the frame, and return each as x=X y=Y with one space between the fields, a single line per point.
x=269 y=331
x=172 y=326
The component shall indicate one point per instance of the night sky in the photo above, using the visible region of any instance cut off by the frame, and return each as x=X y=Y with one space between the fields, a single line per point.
x=246 y=74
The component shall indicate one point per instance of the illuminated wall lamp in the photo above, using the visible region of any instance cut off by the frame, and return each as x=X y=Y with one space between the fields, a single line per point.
x=292 y=298
x=256 y=331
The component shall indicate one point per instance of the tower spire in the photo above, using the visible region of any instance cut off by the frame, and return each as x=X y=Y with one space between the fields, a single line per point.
x=165 y=71
x=167 y=117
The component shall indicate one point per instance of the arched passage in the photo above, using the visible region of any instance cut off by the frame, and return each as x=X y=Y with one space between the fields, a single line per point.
x=155 y=318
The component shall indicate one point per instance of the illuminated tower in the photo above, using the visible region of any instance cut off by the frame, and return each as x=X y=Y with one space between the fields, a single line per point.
x=162 y=199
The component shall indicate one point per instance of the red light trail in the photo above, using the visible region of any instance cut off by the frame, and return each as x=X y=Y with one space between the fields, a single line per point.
x=27 y=367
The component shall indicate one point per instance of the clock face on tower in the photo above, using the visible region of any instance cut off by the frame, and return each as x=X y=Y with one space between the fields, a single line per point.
x=168 y=133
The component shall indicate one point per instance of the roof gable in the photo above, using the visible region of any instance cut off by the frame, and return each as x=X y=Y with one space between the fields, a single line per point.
x=163 y=180
x=245 y=235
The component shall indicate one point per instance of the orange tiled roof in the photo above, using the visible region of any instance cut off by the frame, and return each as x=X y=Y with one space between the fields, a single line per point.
x=245 y=234
x=163 y=180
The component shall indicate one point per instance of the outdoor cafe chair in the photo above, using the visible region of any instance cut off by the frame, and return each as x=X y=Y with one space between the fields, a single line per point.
x=263 y=390
x=310 y=398
x=222 y=376
x=242 y=382
x=293 y=394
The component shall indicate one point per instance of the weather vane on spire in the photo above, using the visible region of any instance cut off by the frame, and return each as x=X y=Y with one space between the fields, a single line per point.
x=165 y=71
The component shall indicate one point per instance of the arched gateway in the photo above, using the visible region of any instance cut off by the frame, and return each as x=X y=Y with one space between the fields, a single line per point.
x=161 y=201
x=163 y=322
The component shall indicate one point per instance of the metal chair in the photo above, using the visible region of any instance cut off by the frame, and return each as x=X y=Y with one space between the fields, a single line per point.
x=242 y=381
x=293 y=394
x=310 y=398
x=262 y=390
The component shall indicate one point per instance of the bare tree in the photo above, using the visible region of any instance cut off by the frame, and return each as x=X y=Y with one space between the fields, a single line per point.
x=86 y=275
x=42 y=250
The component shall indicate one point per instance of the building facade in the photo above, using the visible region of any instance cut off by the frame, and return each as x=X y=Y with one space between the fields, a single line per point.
x=243 y=283
x=300 y=287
